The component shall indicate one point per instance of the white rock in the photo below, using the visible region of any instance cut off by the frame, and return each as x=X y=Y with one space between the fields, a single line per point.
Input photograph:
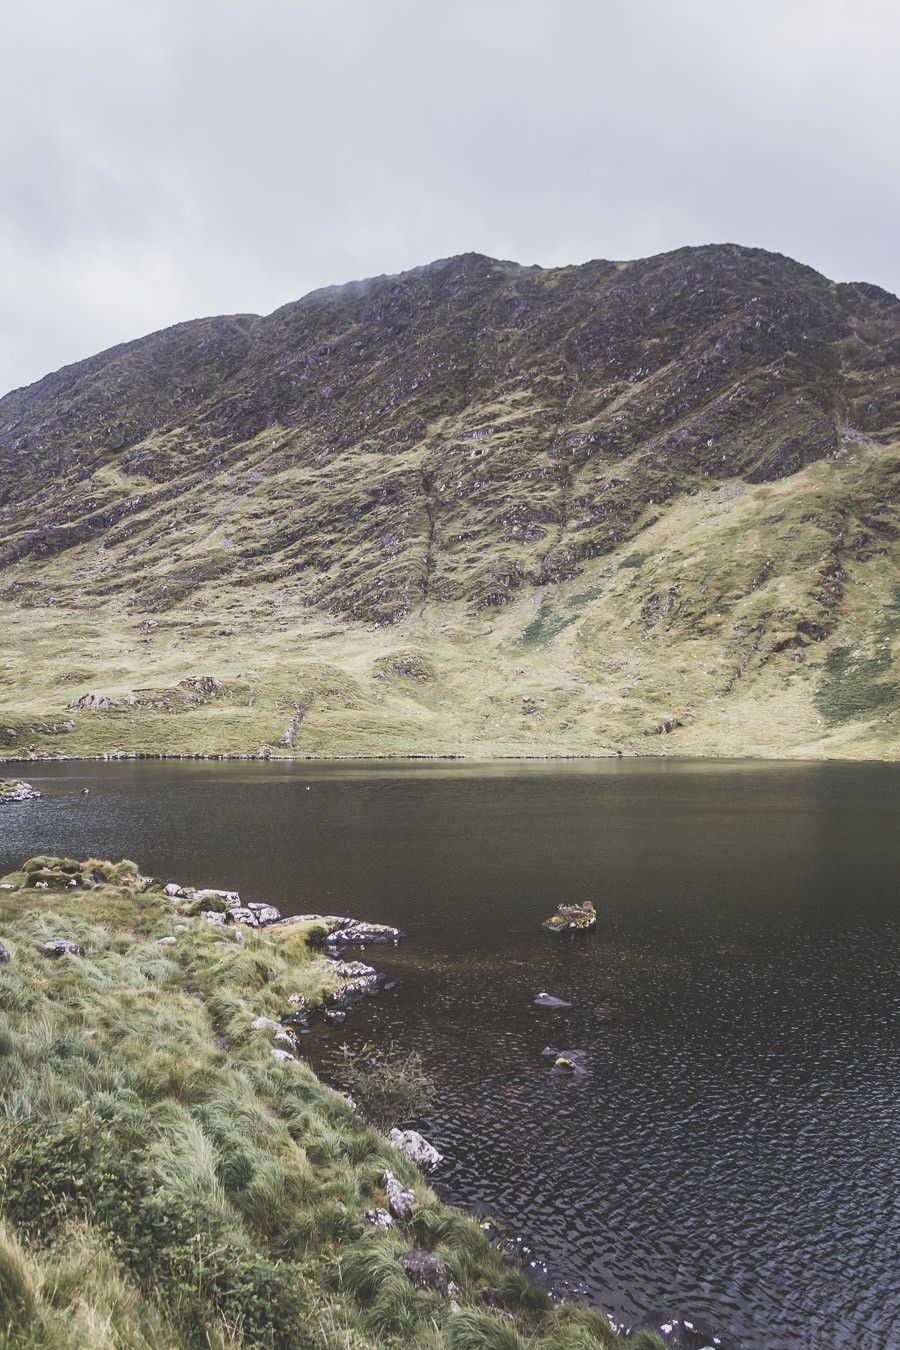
x=379 y=1217
x=166 y=941
x=173 y=891
x=214 y=917
x=282 y=1055
x=416 y=1147
x=230 y=897
x=401 y=1202
x=264 y=1024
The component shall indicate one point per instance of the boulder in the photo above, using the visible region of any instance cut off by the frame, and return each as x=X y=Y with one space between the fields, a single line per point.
x=264 y=1024
x=242 y=914
x=166 y=941
x=282 y=1055
x=231 y=898
x=62 y=947
x=4 y=954
x=363 y=933
x=401 y=1202
x=379 y=1217
x=174 y=891
x=265 y=914
x=425 y=1271
x=549 y=1001
x=214 y=917
x=416 y=1148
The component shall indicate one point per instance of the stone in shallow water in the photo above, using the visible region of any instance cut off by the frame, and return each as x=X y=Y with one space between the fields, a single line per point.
x=265 y=914
x=416 y=1147
x=549 y=1001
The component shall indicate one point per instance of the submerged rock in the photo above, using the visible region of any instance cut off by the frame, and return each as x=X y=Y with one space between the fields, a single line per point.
x=569 y=1062
x=425 y=1271
x=62 y=947
x=401 y=1202
x=548 y=1001
x=416 y=1147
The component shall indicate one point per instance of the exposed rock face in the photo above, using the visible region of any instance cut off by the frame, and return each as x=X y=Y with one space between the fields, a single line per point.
x=469 y=435
x=401 y=1202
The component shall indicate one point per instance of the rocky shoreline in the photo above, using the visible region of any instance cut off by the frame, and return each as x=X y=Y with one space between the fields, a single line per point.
x=193 y=911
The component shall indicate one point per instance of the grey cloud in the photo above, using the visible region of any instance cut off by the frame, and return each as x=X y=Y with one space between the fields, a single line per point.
x=164 y=160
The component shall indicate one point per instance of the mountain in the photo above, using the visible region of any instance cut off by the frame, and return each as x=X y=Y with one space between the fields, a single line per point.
x=474 y=508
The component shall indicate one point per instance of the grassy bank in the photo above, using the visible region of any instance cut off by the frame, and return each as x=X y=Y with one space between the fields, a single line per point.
x=165 y=1181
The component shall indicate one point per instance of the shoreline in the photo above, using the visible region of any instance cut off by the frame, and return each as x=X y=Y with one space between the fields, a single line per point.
x=193 y=1062
x=114 y=756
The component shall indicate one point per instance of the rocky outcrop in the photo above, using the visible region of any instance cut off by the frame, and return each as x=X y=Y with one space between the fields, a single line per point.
x=14 y=790
x=417 y=1148
x=62 y=947
x=401 y=1202
x=426 y=1272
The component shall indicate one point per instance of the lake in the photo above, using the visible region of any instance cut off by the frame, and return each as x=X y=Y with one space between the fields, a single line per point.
x=729 y=1154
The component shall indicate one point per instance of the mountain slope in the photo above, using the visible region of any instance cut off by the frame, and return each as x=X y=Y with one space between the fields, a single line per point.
x=474 y=508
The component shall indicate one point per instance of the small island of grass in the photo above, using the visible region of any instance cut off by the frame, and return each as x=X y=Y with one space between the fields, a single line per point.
x=573 y=918
x=14 y=790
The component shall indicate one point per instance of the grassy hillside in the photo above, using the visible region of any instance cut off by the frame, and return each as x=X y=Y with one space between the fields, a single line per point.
x=166 y=1182
x=473 y=509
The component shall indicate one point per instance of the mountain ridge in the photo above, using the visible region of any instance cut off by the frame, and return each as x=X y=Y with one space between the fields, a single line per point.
x=471 y=452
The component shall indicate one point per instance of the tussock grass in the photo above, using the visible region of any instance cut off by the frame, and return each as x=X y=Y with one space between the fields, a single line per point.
x=165 y=1183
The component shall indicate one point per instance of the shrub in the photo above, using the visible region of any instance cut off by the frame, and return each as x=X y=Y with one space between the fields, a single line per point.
x=388 y=1084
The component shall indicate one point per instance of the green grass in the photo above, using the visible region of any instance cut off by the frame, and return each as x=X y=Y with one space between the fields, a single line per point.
x=637 y=494
x=164 y=1182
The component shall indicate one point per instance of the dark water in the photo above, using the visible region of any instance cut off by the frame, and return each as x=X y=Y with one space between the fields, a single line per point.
x=730 y=1153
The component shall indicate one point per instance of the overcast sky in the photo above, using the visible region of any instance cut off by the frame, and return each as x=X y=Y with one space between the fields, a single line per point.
x=164 y=159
